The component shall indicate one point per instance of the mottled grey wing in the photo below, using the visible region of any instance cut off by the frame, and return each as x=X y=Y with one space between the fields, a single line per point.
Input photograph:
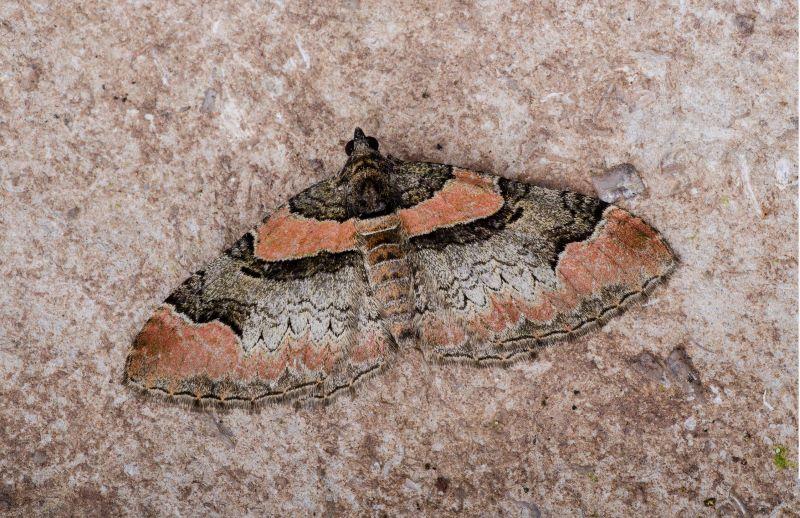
x=546 y=265
x=273 y=317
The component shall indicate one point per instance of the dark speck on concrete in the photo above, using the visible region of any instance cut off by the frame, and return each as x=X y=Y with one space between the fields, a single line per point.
x=745 y=23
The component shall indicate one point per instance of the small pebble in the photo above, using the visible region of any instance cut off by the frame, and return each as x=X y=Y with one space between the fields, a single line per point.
x=620 y=182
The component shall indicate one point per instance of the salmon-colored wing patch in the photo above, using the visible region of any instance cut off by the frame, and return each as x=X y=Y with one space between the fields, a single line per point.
x=207 y=361
x=467 y=197
x=289 y=236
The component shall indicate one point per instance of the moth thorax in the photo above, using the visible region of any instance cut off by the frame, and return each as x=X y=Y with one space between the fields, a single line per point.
x=369 y=192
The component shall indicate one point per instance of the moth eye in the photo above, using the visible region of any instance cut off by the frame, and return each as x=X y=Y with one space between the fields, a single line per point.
x=348 y=148
x=372 y=142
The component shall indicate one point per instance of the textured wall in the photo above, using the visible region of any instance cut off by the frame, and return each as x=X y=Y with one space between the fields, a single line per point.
x=138 y=139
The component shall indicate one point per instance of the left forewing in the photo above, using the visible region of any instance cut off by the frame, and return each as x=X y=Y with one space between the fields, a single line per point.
x=249 y=327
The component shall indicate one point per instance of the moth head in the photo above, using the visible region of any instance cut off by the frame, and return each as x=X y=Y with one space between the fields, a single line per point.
x=366 y=178
x=361 y=145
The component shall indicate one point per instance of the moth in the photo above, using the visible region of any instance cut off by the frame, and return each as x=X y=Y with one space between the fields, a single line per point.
x=385 y=256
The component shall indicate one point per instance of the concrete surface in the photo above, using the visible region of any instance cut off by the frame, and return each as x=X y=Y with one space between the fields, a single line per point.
x=137 y=139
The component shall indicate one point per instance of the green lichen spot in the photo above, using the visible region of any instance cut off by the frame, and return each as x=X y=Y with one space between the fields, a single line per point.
x=780 y=460
x=710 y=502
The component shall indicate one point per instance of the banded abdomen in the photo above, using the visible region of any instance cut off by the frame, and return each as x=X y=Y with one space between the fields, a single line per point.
x=383 y=244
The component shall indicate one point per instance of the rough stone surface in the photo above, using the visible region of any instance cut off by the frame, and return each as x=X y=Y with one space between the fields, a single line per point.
x=137 y=139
